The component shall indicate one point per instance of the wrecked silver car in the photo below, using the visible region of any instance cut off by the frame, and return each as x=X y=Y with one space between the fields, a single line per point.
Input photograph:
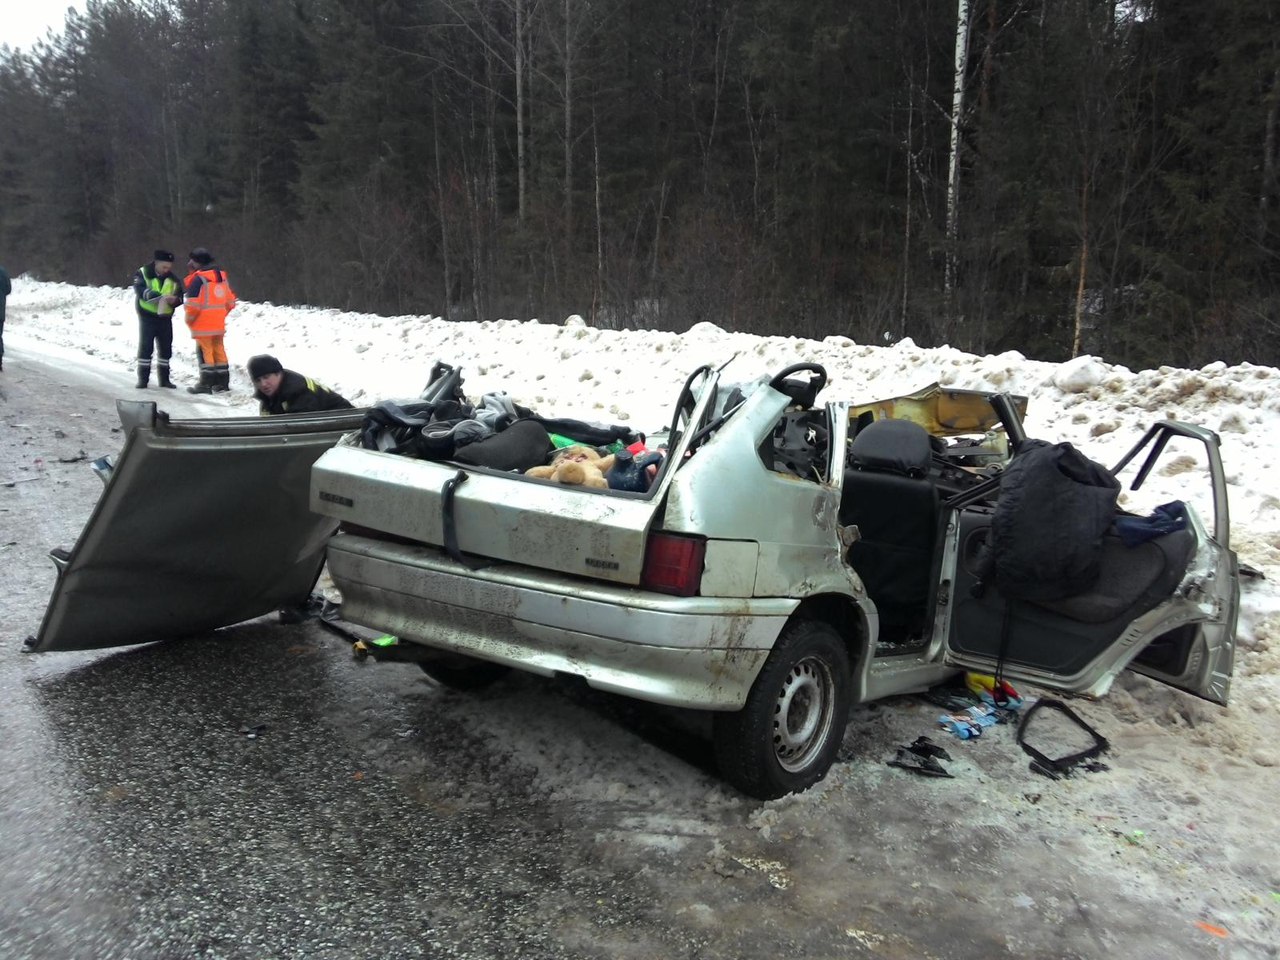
x=787 y=559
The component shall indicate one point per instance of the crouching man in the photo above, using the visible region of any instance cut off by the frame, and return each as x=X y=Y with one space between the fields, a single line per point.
x=283 y=391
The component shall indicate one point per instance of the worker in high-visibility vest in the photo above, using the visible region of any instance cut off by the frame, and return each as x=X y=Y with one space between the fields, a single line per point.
x=278 y=390
x=157 y=291
x=6 y=288
x=209 y=298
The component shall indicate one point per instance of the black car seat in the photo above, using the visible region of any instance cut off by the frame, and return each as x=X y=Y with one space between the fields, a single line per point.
x=889 y=496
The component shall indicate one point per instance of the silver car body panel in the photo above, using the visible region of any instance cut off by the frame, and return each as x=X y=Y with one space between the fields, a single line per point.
x=700 y=652
x=1201 y=611
x=493 y=514
x=1202 y=600
x=201 y=524
x=792 y=520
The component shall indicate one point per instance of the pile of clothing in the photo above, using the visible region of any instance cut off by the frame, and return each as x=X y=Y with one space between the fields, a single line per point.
x=497 y=432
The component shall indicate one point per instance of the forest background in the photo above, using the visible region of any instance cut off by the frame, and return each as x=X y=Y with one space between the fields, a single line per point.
x=1051 y=176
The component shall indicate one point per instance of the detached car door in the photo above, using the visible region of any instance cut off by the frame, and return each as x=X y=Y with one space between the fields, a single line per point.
x=1165 y=607
x=201 y=524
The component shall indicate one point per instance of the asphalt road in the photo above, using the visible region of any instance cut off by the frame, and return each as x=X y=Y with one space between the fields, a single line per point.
x=259 y=793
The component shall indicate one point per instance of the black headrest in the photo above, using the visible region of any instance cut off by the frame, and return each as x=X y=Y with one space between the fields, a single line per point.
x=896 y=446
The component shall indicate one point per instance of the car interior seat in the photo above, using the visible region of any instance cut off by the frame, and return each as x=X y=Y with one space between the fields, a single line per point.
x=887 y=493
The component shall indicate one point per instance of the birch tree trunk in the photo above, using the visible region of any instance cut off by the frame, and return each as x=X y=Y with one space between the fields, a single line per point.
x=1084 y=264
x=953 y=172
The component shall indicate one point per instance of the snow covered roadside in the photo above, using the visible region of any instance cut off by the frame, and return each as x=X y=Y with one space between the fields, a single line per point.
x=1184 y=815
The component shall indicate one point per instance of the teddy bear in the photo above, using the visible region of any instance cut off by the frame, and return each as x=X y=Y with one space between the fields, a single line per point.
x=578 y=465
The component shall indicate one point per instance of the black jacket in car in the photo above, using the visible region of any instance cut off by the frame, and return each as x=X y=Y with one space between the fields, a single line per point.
x=299 y=394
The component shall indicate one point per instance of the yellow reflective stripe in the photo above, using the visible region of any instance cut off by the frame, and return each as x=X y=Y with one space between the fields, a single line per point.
x=161 y=288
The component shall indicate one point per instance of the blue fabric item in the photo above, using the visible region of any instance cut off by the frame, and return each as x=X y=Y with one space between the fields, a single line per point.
x=969 y=723
x=1166 y=518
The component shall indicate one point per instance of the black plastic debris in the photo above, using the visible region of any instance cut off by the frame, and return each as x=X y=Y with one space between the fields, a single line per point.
x=921 y=756
x=925 y=747
x=926 y=766
x=1055 y=768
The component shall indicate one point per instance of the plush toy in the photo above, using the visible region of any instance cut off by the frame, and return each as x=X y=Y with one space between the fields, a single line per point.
x=578 y=465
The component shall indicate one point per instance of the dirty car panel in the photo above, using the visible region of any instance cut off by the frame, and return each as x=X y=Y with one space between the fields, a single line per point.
x=1166 y=608
x=201 y=524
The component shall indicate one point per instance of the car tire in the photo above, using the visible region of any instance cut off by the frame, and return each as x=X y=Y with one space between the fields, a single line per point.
x=786 y=737
x=463 y=673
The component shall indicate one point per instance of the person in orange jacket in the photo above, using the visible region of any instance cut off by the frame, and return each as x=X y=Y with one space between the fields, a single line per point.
x=209 y=298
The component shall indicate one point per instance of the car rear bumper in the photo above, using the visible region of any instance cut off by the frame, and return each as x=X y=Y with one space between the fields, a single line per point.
x=698 y=652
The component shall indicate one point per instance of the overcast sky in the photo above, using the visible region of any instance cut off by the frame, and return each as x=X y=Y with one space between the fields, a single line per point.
x=23 y=23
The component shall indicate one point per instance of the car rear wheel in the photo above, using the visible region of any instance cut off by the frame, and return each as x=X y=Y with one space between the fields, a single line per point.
x=459 y=672
x=786 y=737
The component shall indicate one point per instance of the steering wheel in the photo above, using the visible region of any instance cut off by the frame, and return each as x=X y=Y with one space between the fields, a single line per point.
x=801 y=392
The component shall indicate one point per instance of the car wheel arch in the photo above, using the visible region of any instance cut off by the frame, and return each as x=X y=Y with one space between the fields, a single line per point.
x=849 y=619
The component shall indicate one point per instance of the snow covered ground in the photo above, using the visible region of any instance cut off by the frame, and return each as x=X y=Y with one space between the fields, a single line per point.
x=1184 y=762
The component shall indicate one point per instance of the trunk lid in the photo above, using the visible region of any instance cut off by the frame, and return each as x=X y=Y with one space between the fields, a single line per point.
x=202 y=523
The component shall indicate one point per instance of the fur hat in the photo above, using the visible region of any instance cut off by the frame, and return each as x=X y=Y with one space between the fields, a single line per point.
x=201 y=256
x=162 y=256
x=263 y=364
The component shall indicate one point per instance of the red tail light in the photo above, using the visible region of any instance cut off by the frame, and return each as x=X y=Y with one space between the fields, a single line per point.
x=673 y=564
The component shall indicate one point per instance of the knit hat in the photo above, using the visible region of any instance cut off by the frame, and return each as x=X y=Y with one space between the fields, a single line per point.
x=202 y=256
x=162 y=256
x=263 y=364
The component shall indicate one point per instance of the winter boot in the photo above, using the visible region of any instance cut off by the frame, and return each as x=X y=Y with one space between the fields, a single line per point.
x=144 y=374
x=162 y=374
x=206 y=376
x=221 y=381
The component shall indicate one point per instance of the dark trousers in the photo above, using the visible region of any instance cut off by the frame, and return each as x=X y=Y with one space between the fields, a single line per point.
x=155 y=334
x=2 y=300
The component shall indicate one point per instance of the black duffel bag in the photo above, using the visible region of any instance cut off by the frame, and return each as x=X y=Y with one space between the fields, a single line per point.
x=1046 y=535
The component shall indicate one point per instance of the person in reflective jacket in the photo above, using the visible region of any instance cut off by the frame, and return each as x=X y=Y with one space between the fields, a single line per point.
x=156 y=291
x=209 y=298
x=6 y=288
x=283 y=391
